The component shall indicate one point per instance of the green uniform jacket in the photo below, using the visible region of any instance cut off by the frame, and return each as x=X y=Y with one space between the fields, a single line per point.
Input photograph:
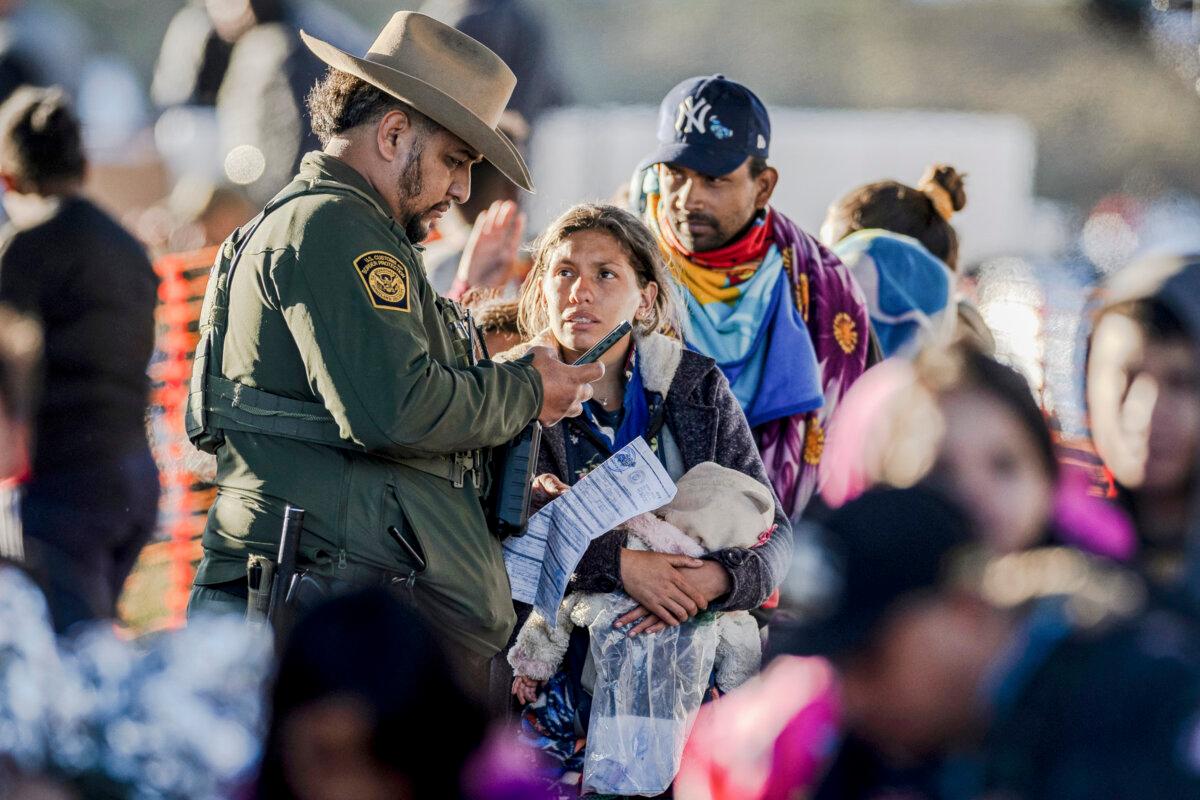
x=330 y=304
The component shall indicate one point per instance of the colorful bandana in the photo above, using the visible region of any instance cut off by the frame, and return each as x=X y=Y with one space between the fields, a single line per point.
x=833 y=312
x=740 y=315
x=743 y=252
x=635 y=411
x=908 y=288
x=595 y=435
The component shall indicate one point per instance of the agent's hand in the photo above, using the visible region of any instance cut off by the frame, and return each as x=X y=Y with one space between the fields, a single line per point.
x=565 y=388
x=546 y=487
x=491 y=252
x=657 y=581
x=525 y=689
x=711 y=580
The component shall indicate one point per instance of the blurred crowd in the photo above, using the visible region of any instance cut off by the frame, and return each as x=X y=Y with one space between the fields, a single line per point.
x=887 y=572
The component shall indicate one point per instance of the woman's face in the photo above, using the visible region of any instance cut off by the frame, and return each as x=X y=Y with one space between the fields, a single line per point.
x=992 y=465
x=1144 y=401
x=590 y=287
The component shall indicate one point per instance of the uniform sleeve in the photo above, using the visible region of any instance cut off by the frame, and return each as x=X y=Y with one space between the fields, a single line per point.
x=362 y=316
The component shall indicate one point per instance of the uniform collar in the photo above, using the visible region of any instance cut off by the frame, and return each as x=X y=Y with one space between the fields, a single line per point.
x=317 y=165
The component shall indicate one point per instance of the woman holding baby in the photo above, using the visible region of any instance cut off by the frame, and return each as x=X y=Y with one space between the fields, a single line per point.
x=595 y=267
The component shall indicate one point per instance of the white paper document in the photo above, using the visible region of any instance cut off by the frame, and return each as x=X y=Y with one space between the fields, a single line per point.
x=540 y=563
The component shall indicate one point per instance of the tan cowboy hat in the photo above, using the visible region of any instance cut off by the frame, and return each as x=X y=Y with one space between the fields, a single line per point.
x=444 y=74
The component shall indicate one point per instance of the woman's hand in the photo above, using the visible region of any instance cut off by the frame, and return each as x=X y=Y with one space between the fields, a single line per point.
x=710 y=579
x=546 y=487
x=525 y=689
x=658 y=583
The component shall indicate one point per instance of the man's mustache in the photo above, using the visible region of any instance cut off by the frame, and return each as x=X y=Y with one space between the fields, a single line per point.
x=701 y=219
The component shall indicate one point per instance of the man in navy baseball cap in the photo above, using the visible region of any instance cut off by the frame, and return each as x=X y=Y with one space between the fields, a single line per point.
x=779 y=313
x=712 y=125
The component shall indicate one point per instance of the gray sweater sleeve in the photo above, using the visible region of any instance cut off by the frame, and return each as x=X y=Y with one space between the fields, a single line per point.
x=600 y=568
x=754 y=572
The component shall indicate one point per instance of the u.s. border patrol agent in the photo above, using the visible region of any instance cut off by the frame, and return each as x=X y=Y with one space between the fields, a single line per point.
x=331 y=376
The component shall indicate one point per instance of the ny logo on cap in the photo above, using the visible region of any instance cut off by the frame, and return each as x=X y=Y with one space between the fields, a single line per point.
x=692 y=115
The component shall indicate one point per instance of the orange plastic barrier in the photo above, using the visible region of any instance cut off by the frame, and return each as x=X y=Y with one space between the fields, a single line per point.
x=186 y=494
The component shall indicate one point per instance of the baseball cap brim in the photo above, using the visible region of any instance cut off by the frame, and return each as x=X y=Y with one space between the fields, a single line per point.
x=712 y=161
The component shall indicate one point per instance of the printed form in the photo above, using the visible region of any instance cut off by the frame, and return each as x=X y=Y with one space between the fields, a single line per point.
x=540 y=563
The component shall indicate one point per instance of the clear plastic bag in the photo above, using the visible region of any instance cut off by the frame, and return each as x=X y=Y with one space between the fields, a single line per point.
x=647 y=691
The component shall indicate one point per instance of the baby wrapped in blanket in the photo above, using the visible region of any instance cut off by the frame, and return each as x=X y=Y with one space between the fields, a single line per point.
x=715 y=508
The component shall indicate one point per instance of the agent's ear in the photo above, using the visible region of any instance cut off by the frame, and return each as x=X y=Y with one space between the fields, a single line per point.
x=764 y=186
x=392 y=134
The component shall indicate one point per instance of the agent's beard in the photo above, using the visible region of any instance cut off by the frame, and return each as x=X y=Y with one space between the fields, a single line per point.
x=411 y=186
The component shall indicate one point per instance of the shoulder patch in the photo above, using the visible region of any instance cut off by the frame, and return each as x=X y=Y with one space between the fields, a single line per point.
x=385 y=278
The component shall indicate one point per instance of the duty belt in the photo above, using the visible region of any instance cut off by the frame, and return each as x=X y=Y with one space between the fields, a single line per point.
x=238 y=407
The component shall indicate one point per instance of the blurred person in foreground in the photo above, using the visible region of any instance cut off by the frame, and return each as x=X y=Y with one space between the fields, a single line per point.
x=1038 y=674
x=778 y=312
x=923 y=213
x=92 y=500
x=954 y=419
x=958 y=419
x=595 y=267
x=1143 y=399
x=340 y=382
x=360 y=682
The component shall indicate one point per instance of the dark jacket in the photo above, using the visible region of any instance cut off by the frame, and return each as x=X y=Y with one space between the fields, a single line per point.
x=705 y=423
x=91 y=285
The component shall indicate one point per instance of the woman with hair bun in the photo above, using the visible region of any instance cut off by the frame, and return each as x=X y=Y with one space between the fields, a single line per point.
x=923 y=212
x=921 y=215
x=92 y=500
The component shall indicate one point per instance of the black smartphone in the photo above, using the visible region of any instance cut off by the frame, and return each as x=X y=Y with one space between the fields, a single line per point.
x=515 y=462
x=601 y=347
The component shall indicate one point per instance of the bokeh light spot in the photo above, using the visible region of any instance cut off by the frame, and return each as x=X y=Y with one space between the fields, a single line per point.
x=244 y=164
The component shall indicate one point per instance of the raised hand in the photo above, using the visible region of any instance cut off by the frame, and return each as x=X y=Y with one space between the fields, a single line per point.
x=490 y=256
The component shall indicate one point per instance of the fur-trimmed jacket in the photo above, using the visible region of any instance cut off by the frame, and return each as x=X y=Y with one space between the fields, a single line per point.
x=700 y=421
